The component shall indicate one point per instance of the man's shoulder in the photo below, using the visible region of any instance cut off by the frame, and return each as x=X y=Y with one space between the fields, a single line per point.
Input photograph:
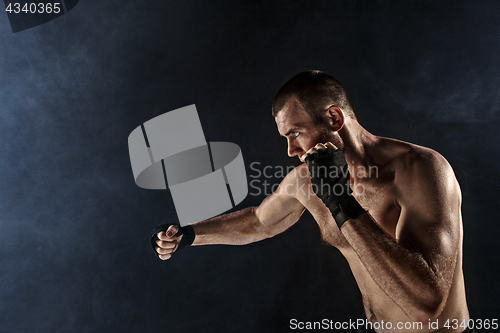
x=410 y=157
x=417 y=165
x=298 y=176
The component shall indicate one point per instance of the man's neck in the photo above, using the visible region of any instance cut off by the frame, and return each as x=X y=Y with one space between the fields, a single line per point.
x=358 y=145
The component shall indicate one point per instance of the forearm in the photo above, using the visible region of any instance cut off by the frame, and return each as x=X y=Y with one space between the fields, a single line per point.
x=405 y=276
x=239 y=228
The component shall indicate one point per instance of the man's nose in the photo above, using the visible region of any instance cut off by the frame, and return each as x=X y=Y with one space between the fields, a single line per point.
x=293 y=149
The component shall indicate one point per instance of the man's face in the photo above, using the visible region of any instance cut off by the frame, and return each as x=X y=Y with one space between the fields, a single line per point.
x=297 y=126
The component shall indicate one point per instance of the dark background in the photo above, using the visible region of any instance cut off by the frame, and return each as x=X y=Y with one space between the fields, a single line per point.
x=74 y=228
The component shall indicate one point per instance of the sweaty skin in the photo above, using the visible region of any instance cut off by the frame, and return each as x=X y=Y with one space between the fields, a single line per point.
x=405 y=252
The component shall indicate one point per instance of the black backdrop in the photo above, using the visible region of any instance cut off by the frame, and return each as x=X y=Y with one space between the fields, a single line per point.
x=74 y=227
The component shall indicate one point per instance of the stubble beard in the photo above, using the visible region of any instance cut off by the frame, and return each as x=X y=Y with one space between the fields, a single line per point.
x=330 y=136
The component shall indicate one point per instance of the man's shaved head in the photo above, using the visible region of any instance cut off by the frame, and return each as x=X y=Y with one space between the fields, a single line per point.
x=315 y=91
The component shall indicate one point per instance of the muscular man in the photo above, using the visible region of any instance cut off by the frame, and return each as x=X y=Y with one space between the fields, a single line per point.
x=400 y=230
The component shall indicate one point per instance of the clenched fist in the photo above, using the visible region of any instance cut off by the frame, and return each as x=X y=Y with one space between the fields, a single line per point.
x=169 y=238
x=330 y=179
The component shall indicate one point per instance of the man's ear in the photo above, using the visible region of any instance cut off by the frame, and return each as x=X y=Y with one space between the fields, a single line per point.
x=335 y=118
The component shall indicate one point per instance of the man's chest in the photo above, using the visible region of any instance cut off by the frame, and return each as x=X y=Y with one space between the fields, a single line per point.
x=379 y=199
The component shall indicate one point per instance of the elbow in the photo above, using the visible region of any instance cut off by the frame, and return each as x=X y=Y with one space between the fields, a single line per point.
x=424 y=315
x=429 y=309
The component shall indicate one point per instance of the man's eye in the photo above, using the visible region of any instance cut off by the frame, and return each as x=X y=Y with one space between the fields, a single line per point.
x=295 y=134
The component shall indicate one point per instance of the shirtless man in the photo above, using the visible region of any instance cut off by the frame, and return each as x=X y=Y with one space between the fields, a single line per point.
x=404 y=246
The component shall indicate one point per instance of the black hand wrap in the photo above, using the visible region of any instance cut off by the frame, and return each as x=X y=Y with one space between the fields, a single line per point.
x=330 y=179
x=186 y=240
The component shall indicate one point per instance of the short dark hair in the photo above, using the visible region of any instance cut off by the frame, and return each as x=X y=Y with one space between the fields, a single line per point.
x=312 y=89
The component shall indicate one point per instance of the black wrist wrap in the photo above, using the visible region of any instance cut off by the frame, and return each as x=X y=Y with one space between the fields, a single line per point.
x=328 y=170
x=347 y=209
x=187 y=238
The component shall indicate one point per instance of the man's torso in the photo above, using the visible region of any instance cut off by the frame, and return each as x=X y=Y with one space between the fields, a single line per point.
x=376 y=189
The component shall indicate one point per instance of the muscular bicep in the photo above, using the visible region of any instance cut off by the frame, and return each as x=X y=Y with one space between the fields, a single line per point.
x=281 y=209
x=430 y=220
